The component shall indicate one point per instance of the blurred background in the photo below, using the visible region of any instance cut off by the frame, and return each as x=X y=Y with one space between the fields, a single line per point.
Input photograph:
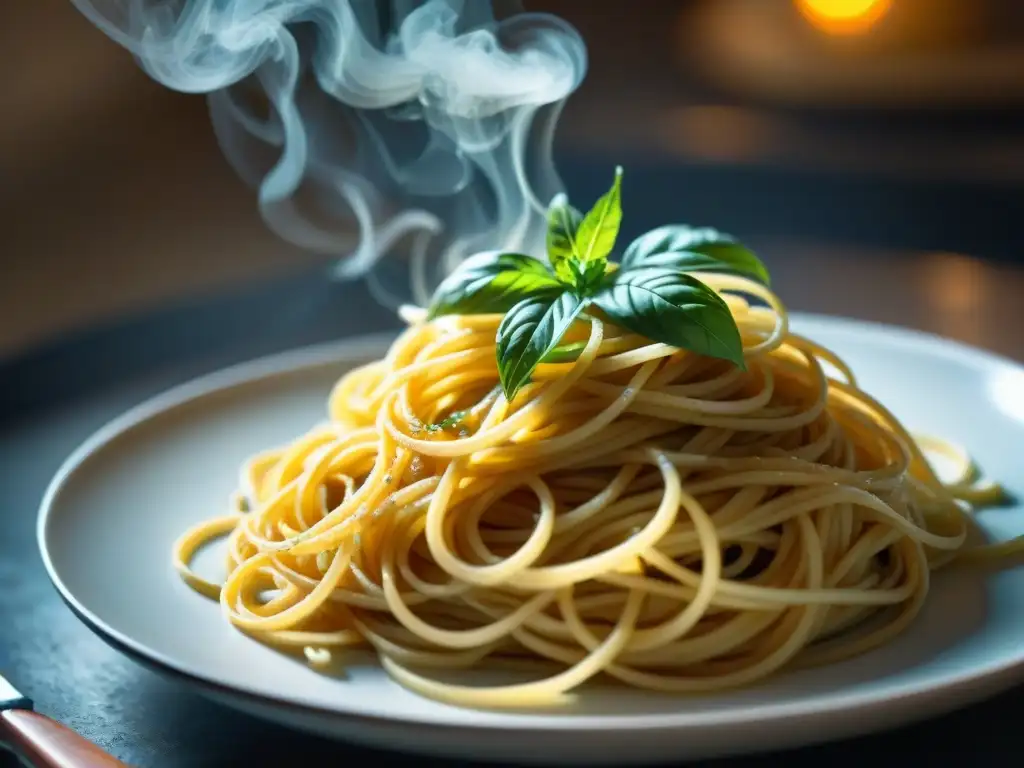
x=871 y=150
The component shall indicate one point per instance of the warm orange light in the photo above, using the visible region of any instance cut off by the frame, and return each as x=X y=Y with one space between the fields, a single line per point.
x=956 y=288
x=843 y=17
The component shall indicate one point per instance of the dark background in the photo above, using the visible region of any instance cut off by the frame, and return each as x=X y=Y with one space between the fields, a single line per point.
x=878 y=170
x=901 y=140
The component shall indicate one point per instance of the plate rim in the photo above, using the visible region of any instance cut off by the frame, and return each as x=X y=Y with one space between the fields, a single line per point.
x=976 y=681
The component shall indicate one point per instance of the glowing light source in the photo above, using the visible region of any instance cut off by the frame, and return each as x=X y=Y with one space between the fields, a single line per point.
x=843 y=17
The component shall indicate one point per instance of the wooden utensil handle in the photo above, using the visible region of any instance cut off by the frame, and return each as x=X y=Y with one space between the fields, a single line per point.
x=45 y=743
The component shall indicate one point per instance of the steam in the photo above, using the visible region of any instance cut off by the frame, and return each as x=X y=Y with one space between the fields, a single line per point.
x=416 y=128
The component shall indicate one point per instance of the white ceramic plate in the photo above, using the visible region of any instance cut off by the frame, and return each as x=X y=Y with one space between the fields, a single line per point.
x=109 y=519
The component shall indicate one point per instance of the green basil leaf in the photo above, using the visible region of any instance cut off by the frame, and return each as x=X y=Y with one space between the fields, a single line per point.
x=694 y=249
x=565 y=353
x=491 y=282
x=674 y=308
x=528 y=332
x=596 y=235
x=563 y=223
x=586 y=277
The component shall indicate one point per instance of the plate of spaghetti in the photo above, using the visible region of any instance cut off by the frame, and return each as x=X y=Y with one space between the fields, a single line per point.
x=592 y=508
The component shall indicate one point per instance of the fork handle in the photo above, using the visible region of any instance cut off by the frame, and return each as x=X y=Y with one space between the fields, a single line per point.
x=45 y=743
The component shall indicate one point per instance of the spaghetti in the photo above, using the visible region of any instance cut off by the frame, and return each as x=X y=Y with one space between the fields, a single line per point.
x=665 y=519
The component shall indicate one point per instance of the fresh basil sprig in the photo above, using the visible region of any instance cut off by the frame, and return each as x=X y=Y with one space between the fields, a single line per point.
x=578 y=245
x=694 y=249
x=529 y=331
x=492 y=282
x=653 y=292
x=673 y=307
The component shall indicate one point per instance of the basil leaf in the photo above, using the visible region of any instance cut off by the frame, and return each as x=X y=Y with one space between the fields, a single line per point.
x=694 y=249
x=674 y=308
x=563 y=223
x=491 y=282
x=528 y=332
x=587 y=277
x=565 y=353
x=596 y=235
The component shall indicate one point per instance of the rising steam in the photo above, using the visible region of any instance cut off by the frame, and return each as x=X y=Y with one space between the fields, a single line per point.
x=427 y=123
